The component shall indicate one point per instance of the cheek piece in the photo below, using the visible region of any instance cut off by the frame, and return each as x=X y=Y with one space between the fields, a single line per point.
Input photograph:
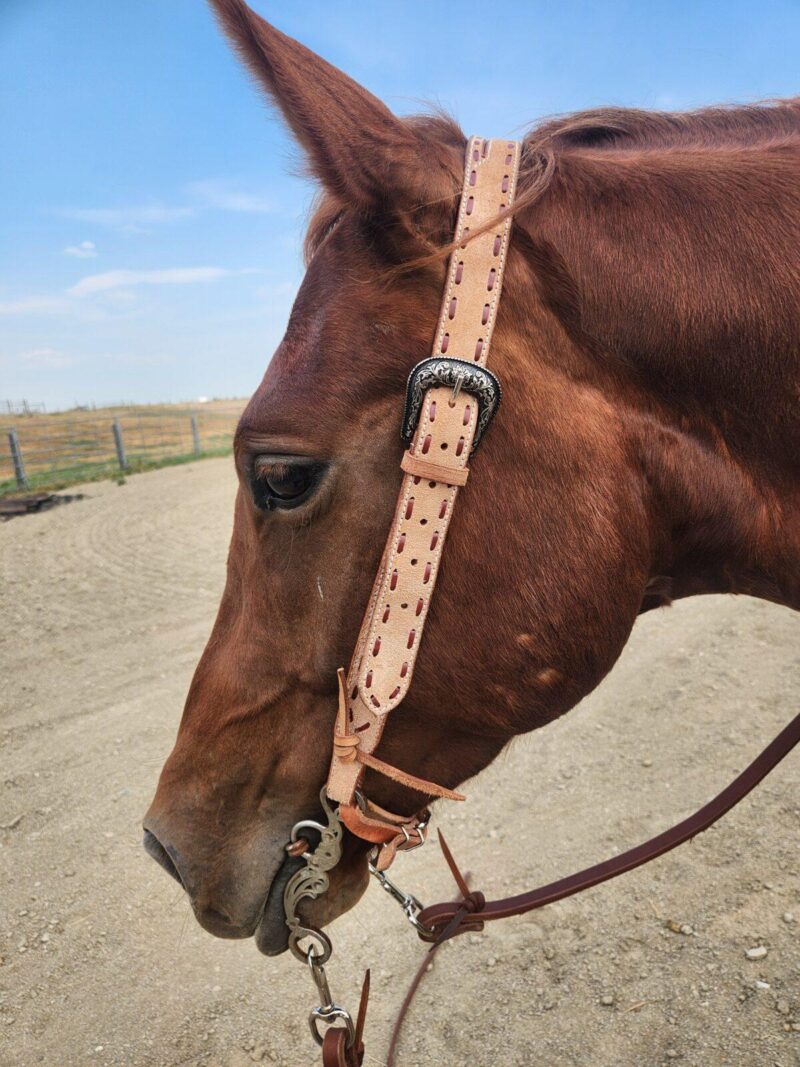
x=450 y=401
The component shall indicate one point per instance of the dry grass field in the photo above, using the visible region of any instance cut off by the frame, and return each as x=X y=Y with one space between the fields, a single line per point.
x=68 y=446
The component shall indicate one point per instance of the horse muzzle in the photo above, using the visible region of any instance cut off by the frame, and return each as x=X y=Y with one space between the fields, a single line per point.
x=241 y=896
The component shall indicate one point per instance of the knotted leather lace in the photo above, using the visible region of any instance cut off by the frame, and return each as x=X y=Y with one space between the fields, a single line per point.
x=347 y=748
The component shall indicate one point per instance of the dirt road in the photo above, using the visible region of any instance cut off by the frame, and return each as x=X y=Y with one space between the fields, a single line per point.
x=106 y=604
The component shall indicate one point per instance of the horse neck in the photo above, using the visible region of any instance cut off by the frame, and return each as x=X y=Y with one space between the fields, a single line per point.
x=687 y=320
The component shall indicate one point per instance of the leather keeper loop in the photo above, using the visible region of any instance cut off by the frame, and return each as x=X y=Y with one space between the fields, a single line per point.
x=345 y=747
x=433 y=472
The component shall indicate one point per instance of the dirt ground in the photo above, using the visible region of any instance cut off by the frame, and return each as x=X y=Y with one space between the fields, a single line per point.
x=106 y=604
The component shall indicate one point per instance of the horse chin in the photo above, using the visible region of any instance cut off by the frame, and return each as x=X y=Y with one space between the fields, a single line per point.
x=347 y=884
x=272 y=933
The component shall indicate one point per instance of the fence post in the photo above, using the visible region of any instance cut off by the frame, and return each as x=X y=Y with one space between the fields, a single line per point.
x=122 y=459
x=196 y=434
x=16 y=456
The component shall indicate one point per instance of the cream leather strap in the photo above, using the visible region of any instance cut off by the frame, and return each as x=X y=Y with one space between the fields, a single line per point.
x=434 y=467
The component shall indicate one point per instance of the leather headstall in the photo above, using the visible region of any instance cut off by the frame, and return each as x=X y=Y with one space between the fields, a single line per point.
x=450 y=400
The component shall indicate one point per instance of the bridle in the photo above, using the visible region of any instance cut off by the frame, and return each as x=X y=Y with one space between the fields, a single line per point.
x=451 y=399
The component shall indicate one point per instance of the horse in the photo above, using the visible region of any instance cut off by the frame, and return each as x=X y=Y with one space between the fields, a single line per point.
x=647 y=449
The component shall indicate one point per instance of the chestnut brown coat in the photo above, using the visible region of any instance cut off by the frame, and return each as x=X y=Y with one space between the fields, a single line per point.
x=648 y=448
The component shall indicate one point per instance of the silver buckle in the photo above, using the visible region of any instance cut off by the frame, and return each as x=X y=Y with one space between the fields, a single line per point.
x=460 y=376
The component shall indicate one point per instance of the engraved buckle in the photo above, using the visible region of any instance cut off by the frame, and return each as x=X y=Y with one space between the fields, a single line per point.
x=460 y=376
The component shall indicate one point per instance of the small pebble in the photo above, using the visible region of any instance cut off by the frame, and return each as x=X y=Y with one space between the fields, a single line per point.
x=788 y=917
x=647 y=763
x=607 y=1000
x=671 y=1054
x=757 y=953
x=782 y=1007
x=761 y=985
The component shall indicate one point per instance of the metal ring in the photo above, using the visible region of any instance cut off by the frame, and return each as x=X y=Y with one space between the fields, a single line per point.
x=304 y=824
x=327 y=1016
x=322 y=939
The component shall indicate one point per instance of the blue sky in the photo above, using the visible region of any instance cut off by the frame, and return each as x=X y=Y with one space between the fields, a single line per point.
x=150 y=225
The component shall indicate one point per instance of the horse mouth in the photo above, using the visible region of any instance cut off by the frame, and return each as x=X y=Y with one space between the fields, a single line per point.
x=271 y=933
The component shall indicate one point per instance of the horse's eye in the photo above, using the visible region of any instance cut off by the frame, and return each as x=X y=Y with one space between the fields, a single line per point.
x=284 y=482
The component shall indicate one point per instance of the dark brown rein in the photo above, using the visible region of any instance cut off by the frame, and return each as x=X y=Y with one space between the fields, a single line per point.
x=448 y=919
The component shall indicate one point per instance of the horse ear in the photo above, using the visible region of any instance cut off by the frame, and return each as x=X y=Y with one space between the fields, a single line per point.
x=362 y=153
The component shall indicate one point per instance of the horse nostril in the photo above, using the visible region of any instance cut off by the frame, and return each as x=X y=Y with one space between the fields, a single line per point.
x=154 y=848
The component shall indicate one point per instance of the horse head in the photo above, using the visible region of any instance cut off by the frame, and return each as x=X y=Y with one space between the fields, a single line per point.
x=549 y=555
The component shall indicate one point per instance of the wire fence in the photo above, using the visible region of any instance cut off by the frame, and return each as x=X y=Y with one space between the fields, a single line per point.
x=50 y=451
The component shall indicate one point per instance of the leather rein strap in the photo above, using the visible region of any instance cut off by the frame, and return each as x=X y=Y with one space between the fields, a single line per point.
x=451 y=398
x=443 y=921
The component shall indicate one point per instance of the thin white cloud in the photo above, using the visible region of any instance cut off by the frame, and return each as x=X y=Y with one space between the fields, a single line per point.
x=211 y=194
x=229 y=196
x=131 y=217
x=116 y=279
x=85 y=250
x=98 y=296
x=35 y=305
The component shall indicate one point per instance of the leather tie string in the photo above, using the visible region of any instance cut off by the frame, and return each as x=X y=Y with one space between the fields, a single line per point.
x=347 y=748
x=472 y=900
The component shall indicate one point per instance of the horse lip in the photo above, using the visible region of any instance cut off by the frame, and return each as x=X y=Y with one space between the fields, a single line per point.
x=271 y=932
